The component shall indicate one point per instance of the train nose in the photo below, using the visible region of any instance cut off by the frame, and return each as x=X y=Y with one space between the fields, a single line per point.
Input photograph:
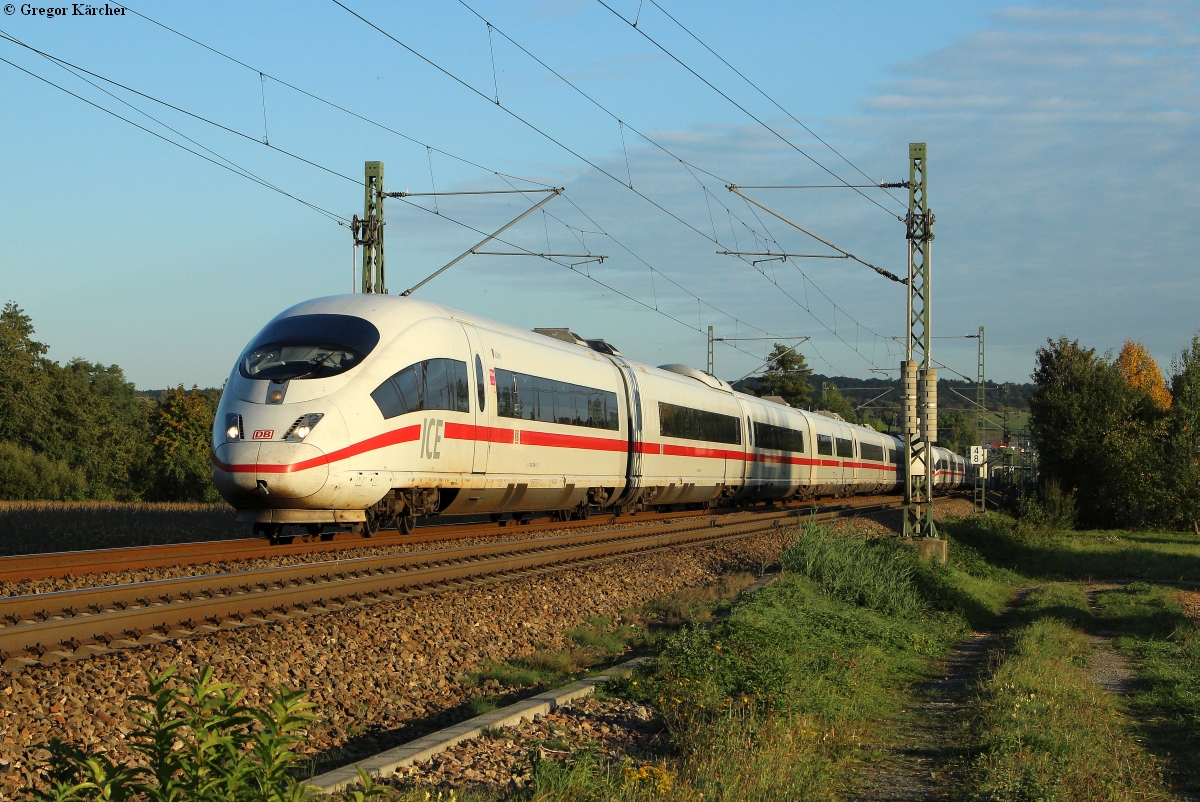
x=269 y=470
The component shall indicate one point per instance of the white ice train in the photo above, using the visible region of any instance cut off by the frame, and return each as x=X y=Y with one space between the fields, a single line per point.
x=368 y=410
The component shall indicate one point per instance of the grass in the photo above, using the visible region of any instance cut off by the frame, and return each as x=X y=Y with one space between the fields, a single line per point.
x=1081 y=555
x=691 y=605
x=785 y=696
x=782 y=697
x=1151 y=628
x=790 y=692
x=597 y=642
x=32 y=527
x=1042 y=728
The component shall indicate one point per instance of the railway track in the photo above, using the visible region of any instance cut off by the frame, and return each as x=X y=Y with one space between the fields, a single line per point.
x=76 y=624
x=96 y=561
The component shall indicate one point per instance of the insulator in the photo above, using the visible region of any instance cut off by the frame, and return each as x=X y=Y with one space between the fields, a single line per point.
x=928 y=401
x=908 y=397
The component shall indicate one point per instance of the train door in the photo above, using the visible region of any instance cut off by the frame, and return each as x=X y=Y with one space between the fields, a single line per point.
x=633 y=402
x=742 y=472
x=482 y=399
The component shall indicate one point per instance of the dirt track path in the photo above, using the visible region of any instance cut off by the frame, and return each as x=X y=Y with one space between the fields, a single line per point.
x=923 y=765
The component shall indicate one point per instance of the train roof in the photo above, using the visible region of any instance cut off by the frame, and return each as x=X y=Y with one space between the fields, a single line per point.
x=391 y=314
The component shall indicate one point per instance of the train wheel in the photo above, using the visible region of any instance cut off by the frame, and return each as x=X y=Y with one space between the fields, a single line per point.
x=406 y=524
x=313 y=530
x=275 y=535
x=369 y=527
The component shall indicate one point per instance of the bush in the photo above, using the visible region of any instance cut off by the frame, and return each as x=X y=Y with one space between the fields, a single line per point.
x=196 y=744
x=1050 y=509
x=26 y=475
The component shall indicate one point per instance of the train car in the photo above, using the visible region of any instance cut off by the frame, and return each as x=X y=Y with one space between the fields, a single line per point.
x=368 y=410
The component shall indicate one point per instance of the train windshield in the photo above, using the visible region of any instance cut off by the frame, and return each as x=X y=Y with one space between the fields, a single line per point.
x=309 y=347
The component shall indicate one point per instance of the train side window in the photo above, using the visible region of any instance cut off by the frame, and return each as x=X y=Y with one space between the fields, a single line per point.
x=780 y=438
x=845 y=448
x=893 y=456
x=480 y=384
x=871 y=452
x=526 y=397
x=749 y=431
x=698 y=424
x=430 y=384
x=825 y=444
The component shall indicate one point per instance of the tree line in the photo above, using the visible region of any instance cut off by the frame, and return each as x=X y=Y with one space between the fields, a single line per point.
x=1113 y=435
x=81 y=431
x=788 y=376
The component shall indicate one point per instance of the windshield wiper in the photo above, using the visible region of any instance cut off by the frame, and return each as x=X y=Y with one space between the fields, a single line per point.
x=316 y=364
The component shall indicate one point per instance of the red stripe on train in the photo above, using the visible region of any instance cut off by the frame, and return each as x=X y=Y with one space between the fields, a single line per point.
x=532 y=437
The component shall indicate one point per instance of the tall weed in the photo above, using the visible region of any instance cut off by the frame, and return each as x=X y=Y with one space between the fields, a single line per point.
x=879 y=574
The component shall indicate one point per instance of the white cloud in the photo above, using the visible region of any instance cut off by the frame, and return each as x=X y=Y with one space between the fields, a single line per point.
x=1063 y=169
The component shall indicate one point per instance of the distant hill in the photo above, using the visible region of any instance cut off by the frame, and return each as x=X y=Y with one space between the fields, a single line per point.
x=997 y=397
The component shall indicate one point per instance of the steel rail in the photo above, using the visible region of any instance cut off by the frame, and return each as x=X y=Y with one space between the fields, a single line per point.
x=28 y=567
x=68 y=624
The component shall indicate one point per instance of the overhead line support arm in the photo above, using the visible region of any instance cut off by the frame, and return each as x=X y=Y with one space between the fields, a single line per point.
x=885 y=273
x=554 y=194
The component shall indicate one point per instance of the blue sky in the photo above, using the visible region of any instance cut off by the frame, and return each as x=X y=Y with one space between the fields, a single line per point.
x=1062 y=139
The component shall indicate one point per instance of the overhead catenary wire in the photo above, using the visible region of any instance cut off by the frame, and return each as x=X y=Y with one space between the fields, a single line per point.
x=573 y=152
x=591 y=278
x=757 y=88
x=742 y=108
x=460 y=158
x=9 y=38
x=237 y=167
x=313 y=163
x=328 y=102
x=245 y=173
x=332 y=215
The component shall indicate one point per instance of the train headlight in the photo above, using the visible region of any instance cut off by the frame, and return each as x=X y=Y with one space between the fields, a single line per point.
x=233 y=426
x=303 y=425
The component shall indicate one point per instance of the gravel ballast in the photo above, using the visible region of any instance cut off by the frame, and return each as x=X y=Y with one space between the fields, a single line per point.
x=379 y=675
x=367 y=549
x=621 y=733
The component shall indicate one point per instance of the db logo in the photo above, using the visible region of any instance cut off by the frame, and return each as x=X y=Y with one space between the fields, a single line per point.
x=263 y=434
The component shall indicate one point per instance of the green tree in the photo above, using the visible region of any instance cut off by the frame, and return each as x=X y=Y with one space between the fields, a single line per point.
x=24 y=382
x=100 y=425
x=1182 y=448
x=26 y=475
x=1097 y=436
x=181 y=464
x=875 y=422
x=832 y=400
x=956 y=431
x=786 y=376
